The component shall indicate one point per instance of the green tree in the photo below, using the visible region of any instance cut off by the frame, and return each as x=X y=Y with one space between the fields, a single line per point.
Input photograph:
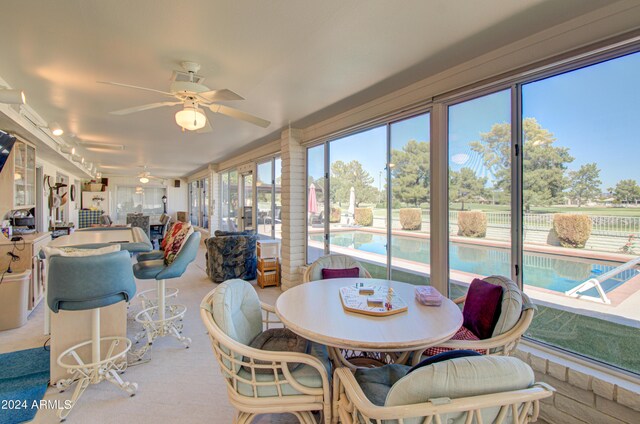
x=627 y=191
x=584 y=184
x=466 y=186
x=351 y=174
x=543 y=164
x=410 y=173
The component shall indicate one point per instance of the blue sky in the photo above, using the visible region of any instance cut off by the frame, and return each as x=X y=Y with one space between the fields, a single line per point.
x=594 y=111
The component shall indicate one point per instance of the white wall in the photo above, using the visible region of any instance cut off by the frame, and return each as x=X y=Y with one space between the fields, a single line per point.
x=176 y=197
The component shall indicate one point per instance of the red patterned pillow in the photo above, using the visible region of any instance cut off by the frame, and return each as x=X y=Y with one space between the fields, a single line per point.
x=166 y=241
x=462 y=334
x=482 y=308
x=178 y=238
x=328 y=273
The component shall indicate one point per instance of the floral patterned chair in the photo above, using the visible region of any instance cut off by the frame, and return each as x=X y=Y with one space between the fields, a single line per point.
x=231 y=255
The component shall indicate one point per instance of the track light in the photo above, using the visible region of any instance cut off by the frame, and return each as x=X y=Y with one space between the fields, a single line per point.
x=12 y=97
x=56 y=129
x=77 y=158
x=68 y=150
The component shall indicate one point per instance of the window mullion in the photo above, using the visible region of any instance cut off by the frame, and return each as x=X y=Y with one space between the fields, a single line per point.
x=517 y=152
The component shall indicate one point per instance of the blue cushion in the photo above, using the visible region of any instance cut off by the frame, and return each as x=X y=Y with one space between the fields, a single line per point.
x=148 y=270
x=444 y=356
x=376 y=382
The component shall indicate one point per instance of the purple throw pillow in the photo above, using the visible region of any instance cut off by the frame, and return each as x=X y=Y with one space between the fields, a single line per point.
x=328 y=273
x=482 y=308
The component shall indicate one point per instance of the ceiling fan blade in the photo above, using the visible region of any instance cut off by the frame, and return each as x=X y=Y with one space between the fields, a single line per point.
x=238 y=114
x=119 y=84
x=220 y=95
x=143 y=107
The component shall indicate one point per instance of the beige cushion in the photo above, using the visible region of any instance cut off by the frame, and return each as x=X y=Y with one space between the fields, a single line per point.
x=461 y=377
x=334 y=261
x=511 y=304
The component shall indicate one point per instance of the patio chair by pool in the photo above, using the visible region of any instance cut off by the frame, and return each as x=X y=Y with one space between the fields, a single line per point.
x=261 y=381
x=332 y=261
x=464 y=390
x=515 y=317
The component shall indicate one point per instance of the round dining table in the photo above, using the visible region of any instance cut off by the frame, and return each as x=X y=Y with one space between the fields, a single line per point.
x=314 y=311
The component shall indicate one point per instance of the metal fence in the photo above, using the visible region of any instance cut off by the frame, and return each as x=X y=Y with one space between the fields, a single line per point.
x=602 y=225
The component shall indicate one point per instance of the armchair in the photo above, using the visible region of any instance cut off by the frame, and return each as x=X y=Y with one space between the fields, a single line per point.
x=479 y=389
x=231 y=255
x=233 y=316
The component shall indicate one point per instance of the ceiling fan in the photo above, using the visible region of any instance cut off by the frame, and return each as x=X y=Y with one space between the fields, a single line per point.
x=145 y=176
x=189 y=91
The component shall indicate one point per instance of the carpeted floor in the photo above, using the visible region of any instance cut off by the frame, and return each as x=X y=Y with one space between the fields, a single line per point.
x=177 y=386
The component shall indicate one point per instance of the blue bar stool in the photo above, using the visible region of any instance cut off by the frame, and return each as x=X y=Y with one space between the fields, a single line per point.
x=90 y=283
x=157 y=318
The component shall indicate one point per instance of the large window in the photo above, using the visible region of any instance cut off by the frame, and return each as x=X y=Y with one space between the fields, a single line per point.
x=269 y=192
x=542 y=185
x=229 y=200
x=139 y=199
x=376 y=177
x=581 y=213
x=479 y=136
x=199 y=202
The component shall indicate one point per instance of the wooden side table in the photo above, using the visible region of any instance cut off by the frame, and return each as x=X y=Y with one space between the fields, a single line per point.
x=268 y=263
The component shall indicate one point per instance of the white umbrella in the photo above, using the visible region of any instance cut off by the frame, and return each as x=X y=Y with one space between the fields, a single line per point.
x=352 y=201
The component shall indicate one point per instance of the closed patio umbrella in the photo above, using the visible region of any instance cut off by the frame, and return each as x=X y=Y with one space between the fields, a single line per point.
x=352 y=201
x=312 y=202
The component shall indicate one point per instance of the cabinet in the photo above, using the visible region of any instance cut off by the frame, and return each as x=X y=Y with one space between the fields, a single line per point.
x=18 y=179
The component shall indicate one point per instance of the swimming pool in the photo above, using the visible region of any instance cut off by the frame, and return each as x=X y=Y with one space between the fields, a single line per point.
x=556 y=273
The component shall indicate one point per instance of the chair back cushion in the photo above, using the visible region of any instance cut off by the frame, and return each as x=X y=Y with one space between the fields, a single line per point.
x=236 y=310
x=511 y=307
x=461 y=377
x=482 y=308
x=334 y=261
x=82 y=279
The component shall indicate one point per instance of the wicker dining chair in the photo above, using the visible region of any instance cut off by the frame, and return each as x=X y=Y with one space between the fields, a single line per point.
x=482 y=389
x=517 y=312
x=261 y=381
x=332 y=261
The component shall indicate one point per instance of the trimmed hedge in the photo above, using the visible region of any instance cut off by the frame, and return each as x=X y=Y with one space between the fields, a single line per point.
x=573 y=230
x=363 y=216
x=472 y=224
x=335 y=214
x=411 y=218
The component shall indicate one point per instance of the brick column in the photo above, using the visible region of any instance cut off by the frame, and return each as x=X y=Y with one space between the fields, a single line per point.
x=293 y=207
x=215 y=200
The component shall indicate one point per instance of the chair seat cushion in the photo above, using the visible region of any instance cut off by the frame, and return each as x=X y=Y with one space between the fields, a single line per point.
x=328 y=273
x=278 y=340
x=305 y=375
x=376 y=382
x=150 y=256
x=482 y=308
x=462 y=334
x=444 y=356
x=148 y=270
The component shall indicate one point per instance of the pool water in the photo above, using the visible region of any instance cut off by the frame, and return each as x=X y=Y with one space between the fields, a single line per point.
x=557 y=273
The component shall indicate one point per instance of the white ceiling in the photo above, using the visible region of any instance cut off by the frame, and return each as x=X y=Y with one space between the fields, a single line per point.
x=294 y=61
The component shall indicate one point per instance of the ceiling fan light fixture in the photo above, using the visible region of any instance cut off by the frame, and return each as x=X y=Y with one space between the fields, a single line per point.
x=191 y=118
x=144 y=180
